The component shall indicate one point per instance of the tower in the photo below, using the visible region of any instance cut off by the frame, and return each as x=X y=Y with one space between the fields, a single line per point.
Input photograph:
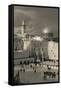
x=26 y=41
x=23 y=28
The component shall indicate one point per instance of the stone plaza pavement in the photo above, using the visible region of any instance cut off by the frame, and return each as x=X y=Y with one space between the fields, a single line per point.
x=35 y=73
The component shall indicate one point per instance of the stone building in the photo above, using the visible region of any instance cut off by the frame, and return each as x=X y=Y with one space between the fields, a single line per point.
x=28 y=46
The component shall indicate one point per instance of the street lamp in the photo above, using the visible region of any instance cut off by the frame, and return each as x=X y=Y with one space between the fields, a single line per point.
x=46 y=30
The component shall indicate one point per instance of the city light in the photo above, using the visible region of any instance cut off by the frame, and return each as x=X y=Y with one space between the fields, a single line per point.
x=46 y=30
x=38 y=38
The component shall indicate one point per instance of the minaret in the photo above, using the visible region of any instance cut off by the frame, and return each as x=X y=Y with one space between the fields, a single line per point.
x=23 y=34
x=23 y=28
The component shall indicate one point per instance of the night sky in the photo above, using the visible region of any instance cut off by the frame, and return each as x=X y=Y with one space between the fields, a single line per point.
x=36 y=19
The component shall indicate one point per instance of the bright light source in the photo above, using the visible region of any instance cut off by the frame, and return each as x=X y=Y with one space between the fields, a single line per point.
x=38 y=38
x=45 y=30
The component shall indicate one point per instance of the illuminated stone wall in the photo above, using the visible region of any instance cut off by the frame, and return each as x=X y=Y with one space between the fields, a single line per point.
x=53 y=50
